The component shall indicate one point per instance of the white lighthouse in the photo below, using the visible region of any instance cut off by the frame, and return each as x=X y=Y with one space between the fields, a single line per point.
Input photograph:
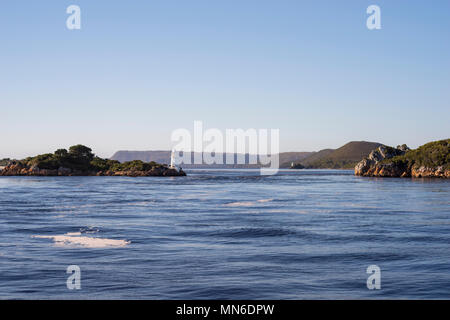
x=173 y=164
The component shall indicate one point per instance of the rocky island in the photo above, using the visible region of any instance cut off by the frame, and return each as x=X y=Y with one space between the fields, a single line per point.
x=428 y=161
x=80 y=161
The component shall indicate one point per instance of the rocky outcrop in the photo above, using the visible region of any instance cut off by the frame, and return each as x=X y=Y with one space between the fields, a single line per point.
x=371 y=166
x=19 y=169
x=426 y=172
x=391 y=162
x=155 y=172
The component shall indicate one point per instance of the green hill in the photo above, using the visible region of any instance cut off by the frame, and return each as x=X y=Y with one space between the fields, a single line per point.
x=346 y=157
x=287 y=158
x=317 y=156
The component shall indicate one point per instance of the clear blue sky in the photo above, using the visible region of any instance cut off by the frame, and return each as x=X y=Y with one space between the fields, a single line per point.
x=139 y=69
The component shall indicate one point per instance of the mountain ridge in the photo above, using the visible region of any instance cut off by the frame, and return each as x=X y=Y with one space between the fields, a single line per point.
x=162 y=156
x=344 y=157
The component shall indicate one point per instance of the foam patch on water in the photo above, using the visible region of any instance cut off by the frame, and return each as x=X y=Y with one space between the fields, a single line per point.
x=75 y=239
x=265 y=200
x=71 y=234
x=247 y=203
x=240 y=204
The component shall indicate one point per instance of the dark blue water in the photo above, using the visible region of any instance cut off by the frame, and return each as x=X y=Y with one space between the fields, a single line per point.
x=229 y=234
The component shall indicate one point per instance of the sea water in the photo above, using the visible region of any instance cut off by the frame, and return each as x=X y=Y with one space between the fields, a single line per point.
x=225 y=234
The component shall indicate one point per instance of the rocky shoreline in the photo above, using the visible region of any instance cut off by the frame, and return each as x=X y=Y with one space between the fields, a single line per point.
x=18 y=169
x=405 y=163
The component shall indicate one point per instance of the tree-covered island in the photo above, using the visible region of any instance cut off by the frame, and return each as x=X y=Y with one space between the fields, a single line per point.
x=80 y=161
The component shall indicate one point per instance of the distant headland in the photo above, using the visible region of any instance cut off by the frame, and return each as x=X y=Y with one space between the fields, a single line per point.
x=80 y=161
x=345 y=157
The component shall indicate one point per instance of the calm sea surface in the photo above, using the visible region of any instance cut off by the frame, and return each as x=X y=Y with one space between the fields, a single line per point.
x=229 y=234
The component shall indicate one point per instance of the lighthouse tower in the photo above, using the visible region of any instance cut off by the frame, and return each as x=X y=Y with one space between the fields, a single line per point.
x=172 y=160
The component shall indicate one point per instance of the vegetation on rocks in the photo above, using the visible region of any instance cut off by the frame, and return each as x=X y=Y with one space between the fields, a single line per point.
x=4 y=162
x=430 y=155
x=79 y=160
x=429 y=160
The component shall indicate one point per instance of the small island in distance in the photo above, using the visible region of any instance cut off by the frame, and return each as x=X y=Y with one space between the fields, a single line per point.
x=80 y=161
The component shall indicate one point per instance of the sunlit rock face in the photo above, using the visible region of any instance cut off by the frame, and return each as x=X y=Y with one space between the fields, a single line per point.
x=371 y=166
x=397 y=162
x=18 y=169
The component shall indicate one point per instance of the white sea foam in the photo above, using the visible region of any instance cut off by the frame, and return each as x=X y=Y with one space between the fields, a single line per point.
x=240 y=204
x=71 y=234
x=247 y=203
x=75 y=239
x=265 y=200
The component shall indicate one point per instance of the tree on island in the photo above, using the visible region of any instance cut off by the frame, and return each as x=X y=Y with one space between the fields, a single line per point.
x=80 y=152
